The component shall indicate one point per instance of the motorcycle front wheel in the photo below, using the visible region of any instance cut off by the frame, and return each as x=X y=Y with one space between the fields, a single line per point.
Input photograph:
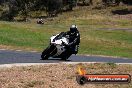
x=46 y=53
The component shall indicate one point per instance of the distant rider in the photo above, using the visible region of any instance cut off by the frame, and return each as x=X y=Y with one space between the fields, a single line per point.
x=40 y=21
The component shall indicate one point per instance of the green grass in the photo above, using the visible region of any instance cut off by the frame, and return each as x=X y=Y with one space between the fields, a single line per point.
x=93 y=41
x=106 y=42
x=30 y=36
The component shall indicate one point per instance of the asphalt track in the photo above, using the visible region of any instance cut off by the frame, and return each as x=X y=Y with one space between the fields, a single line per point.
x=11 y=57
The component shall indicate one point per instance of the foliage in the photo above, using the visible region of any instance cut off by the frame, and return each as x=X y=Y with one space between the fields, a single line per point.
x=52 y=7
x=24 y=7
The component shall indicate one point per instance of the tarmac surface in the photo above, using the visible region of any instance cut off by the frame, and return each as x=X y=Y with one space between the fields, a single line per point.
x=11 y=57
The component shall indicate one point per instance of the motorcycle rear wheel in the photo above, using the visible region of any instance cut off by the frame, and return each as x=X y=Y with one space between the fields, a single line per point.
x=66 y=57
x=44 y=57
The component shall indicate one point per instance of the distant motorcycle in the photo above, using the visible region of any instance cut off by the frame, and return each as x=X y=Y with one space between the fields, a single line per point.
x=57 y=47
x=40 y=21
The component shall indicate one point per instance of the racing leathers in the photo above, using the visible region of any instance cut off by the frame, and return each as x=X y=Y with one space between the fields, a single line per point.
x=74 y=41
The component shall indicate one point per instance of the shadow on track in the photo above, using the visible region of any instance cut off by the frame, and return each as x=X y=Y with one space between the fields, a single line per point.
x=56 y=59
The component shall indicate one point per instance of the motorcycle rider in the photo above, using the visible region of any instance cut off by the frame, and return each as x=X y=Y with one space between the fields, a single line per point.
x=71 y=48
x=74 y=39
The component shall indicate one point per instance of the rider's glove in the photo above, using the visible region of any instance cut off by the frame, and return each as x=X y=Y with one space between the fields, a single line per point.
x=63 y=43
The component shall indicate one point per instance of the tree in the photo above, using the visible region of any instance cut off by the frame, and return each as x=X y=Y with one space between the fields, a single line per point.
x=24 y=7
x=13 y=10
x=53 y=7
x=20 y=6
x=86 y=2
x=127 y=2
x=109 y=2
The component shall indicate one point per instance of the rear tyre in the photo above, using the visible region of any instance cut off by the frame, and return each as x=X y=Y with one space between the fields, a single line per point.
x=44 y=57
x=66 y=57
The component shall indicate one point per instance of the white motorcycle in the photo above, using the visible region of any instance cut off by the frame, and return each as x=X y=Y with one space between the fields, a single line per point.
x=57 y=47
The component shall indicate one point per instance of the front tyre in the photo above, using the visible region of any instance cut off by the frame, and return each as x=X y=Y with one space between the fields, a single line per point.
x=45 y=53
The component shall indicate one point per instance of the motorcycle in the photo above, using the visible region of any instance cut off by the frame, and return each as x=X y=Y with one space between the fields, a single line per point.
x=40 y=22
x=57 y=47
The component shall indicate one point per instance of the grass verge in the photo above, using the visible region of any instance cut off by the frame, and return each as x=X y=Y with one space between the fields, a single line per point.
x=30 y=36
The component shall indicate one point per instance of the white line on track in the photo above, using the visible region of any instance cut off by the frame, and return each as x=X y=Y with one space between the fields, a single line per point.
x=2 y=49
x=17 y=50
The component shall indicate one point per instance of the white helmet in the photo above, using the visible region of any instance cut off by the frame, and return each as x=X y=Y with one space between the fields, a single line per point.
x=73 y=28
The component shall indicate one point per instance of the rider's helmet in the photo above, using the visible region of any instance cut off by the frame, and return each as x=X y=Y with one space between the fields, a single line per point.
x=73 y=29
